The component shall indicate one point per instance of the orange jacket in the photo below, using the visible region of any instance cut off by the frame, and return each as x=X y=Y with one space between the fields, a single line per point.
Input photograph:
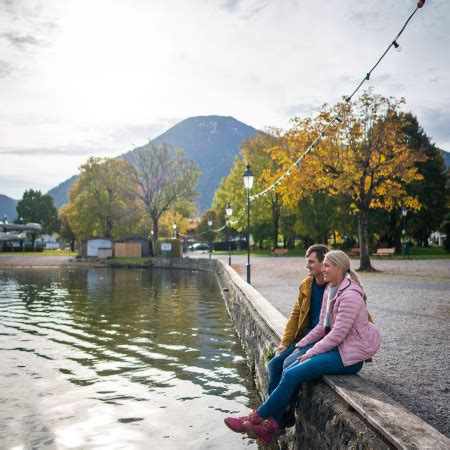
x=298 y=321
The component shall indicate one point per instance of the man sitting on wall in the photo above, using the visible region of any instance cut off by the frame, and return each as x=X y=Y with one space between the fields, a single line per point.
x=304 y=317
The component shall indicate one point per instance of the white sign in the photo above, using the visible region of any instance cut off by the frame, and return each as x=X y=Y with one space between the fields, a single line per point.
x=166 y=247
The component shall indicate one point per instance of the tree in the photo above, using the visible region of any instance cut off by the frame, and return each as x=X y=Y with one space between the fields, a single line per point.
x=65 y=230
x=365 y=158
x=257 y=152
x=37 y=208
x=164 y=180
x=101 y=200
x=430 y=190
x=318 y=215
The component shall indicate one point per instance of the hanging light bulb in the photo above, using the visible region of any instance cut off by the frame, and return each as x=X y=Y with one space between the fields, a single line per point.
x=397 y=46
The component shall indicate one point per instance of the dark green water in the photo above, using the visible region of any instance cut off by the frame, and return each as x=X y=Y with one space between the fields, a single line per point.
x=118 y=359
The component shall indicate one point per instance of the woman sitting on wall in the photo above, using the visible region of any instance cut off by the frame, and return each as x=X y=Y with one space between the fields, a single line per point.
x=343 y=339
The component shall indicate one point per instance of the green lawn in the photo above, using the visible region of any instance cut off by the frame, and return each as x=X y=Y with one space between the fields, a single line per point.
x=426 y=253
x=126 y=261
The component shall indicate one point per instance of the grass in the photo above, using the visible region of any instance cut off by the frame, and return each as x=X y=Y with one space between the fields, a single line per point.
x=258 y=252
x=126 y=261
x=426 y=253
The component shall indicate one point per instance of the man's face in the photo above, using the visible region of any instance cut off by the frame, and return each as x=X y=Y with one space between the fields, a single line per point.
x=313 y=265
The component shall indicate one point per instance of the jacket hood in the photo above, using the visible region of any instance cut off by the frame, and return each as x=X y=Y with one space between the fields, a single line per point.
x=348 y=283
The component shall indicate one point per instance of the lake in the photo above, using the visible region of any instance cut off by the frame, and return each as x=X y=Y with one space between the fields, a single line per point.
x=118 y=359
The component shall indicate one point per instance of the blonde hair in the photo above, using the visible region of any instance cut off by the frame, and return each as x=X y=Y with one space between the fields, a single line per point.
x=340 y=259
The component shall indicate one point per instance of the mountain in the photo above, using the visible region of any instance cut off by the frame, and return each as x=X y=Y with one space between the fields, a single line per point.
x=59 y=193
x=446 y=156
x=7 y=207
x=211 y=141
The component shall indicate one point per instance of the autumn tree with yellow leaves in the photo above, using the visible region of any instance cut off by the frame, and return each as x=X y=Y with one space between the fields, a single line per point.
x=364 y=156
x=100 y=201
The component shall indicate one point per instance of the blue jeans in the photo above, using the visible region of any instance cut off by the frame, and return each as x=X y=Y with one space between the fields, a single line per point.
x=276 y=366
x=296 y=373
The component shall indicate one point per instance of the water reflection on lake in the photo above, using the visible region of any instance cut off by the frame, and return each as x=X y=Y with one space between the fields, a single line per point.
x=115 y=359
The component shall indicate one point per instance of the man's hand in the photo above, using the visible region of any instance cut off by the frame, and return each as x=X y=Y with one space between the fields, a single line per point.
x=280 y=349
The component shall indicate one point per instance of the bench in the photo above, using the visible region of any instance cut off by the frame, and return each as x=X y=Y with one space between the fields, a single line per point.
x=354 y=251
x=384 y=252
x=280 y=251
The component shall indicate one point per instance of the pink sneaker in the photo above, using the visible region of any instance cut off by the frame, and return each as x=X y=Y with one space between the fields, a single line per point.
x=263 y=432
x=236 y=423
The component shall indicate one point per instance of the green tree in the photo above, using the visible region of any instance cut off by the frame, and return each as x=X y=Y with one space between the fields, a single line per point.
x=164 y=180
x=37 y=208
x=257 y=152
x=204 y=232
x=101 y=200
x=430 y=190
x=65 y=230
x=318 y=213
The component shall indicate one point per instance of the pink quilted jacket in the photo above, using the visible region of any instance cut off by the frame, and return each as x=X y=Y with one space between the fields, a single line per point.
x=356 y=338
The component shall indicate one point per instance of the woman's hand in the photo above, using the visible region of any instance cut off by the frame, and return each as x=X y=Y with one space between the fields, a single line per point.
x=303 y=358
x=280 y=349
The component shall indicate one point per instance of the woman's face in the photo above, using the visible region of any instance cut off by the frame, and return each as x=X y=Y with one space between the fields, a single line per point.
x=331 y=273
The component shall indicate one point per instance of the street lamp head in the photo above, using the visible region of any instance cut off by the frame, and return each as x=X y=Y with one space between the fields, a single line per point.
x=228 y=210
x=210 y=222
x=248 y=178
x=404 y=211
x=174 y=226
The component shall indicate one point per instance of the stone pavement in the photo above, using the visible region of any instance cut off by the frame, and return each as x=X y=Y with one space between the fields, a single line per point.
x=410 y=303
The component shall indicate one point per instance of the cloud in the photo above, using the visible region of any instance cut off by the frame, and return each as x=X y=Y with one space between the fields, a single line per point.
x=301 y=109
x=6 y=69
x=231 y=5
x=49 y=151
x=246 y=9
x=435 y=123
x=19 y=40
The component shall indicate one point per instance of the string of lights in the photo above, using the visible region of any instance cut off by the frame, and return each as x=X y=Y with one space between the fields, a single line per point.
x=297 y=164
x=218 y=230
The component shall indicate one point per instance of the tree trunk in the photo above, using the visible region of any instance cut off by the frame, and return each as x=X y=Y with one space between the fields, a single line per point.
x=155 y=229
x=276 y=222
x=364 y=262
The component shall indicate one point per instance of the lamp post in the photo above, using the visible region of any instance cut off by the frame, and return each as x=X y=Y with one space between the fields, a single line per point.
x=248 y=183
x=404 y=213
x=174 y=226
x=405 y=243
x=210 y=224
x=228 y=213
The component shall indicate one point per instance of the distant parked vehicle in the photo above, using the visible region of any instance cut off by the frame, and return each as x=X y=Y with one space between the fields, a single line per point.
x=199 y=246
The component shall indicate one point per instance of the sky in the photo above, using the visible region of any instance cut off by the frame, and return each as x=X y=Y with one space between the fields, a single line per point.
x=83 y=78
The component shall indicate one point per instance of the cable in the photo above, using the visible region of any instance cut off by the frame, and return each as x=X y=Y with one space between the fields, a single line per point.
x=336 y=118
